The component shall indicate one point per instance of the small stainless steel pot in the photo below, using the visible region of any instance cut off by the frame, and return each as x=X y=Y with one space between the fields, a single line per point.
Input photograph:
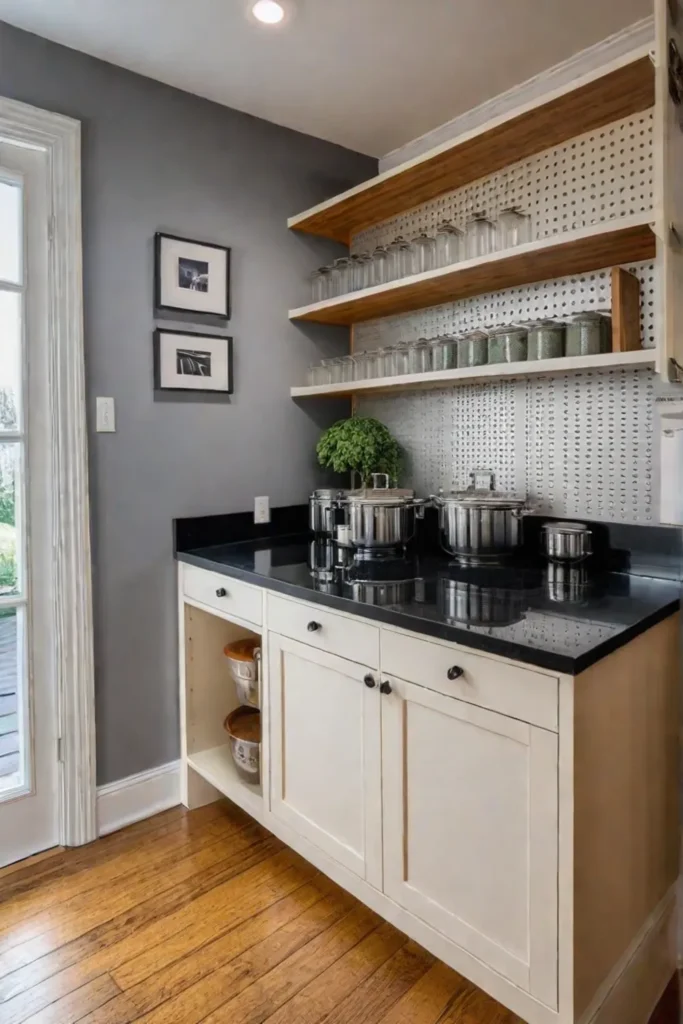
x=566 y=542
x=326 y=510
x=480 y=526
x=382 y=518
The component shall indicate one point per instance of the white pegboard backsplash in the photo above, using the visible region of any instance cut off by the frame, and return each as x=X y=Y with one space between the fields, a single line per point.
x=576 y=444
x=595 y=177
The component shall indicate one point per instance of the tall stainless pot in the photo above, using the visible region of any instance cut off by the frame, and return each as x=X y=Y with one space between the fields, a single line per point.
x=480 y=526
x=326 y=509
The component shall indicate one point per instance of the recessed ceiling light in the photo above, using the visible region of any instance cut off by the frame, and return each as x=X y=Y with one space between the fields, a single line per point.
x=270 y=12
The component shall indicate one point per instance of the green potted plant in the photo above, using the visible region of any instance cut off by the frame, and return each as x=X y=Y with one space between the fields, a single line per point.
x=361 y=445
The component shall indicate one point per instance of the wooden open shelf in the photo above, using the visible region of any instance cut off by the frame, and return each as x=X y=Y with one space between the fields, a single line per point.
x=628 y=240
x=472 y=375
x=624 y=87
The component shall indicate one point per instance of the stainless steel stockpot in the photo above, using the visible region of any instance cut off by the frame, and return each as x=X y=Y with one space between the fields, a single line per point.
x=480 y=526
x=566 y=542
x=380 y=517
x=325 y=510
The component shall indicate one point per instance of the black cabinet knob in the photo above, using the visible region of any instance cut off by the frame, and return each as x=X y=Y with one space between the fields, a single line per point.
x=385 y=687
x=455 y=672
x=369 y=681
x=313 y=627
x=221 y=592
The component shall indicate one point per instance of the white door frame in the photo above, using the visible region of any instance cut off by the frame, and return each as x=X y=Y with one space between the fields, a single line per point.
x=72 y=646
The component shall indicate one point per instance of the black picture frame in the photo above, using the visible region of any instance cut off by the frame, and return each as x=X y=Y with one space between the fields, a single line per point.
x=170 y=308
x=196 y=339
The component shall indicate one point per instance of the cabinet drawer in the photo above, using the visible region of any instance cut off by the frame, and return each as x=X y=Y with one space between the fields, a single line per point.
x=223 y=593
x=498 y=685
x=337 y=634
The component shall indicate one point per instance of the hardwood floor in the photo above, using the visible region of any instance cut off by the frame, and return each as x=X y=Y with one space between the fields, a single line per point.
x=205 y=916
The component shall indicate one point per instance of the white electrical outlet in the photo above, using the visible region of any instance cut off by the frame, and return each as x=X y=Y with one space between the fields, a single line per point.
x=106 y=416
x=262 y=509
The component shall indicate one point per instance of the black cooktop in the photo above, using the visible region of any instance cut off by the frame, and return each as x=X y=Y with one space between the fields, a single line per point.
x=563 y=619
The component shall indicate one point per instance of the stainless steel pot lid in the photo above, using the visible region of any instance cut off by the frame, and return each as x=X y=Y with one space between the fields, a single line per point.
x=328 y=492
x=381 y=496
x=566 y=527
x=481 y=498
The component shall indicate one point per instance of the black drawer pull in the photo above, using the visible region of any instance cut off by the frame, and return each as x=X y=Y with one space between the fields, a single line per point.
x=455 y=672
x=369 y=681
x=221 y=592
x=385 y=687
x=313 y=627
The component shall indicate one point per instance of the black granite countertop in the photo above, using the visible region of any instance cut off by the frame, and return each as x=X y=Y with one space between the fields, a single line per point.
x=528 y=611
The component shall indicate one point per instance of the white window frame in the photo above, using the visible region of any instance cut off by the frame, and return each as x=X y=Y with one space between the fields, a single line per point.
x=72 y=646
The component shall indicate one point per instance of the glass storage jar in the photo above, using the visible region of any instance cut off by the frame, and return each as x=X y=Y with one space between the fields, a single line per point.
x=512 y=228
x=546 y=340
x=325 y=371
x=320 y=279
x=473 y=349
x=400 y=258
x=480 y=236
x=419 y=356
x=423 y=251
x=348 y=368
x=372 y=368
x=386 y=362
x=507 y=345
x=444 y=352
x=380 y=265
x=588 y=334
x=340 y=276
x=449 y=245
x=363 y=271
x=402 y=358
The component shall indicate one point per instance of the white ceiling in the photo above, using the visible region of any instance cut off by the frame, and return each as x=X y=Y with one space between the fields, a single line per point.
x=369 y=74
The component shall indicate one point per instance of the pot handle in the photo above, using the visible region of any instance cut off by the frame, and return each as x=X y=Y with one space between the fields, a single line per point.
x=519 y=513
x=384 y=477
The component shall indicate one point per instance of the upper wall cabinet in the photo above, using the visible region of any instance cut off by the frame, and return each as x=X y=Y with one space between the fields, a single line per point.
x=669 y=183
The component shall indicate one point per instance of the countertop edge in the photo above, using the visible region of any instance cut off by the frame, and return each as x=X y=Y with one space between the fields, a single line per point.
x=451 y=634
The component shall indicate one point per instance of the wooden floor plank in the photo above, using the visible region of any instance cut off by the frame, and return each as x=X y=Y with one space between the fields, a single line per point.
x=160 y=907
x=316 y=1000
x=203 y=917
x=29 y=863
x=372 y=999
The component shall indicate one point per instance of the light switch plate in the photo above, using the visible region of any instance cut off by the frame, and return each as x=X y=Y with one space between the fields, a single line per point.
x=262 y=509
x=106 y=416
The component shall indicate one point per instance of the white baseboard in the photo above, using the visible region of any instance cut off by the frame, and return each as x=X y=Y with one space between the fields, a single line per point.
x=137 y=796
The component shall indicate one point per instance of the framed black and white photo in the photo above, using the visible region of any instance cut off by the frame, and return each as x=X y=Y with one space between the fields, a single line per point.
x=191 y=277
x=192 y=362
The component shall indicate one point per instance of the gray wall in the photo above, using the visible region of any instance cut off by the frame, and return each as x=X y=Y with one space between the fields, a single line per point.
x=157 y=158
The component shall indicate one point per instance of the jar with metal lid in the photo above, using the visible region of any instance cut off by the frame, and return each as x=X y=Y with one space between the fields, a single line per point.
x=473 y=349
x=480 y=525
x=546 y=340
x=449 y=244
x=507 y=345
x=424 y=250
x=512 y=228
x=480 y=236
x=587 y=335
x=419 y=356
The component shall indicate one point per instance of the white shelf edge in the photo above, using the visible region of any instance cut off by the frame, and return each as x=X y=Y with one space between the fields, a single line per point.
x=533 y=368
x=564 y=90
x=217 y=767
x=647 y=218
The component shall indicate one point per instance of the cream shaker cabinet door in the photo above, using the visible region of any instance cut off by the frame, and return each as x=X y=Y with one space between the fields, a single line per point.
x=325 y=754
x=470 y=830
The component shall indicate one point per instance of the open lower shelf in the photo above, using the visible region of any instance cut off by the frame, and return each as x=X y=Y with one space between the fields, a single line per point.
x=624 y=87
x=469 y=375
x=626 y=240
x=218 y=768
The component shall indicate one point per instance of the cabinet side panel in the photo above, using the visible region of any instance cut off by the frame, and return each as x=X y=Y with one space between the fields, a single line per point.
x=625 y=799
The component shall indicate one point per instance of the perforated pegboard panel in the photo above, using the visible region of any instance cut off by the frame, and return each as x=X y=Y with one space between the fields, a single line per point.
x=576 y=444
x=595 y=177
